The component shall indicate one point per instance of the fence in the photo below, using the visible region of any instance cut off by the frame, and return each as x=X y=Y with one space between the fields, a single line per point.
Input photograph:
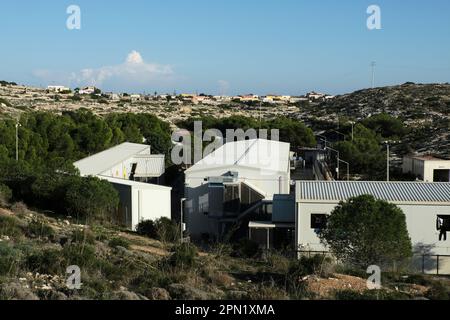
x=431 y=264
x=419 y=263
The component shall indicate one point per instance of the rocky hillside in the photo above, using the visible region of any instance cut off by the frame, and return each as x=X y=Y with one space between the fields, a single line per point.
x=424 y=108
x=35 y=251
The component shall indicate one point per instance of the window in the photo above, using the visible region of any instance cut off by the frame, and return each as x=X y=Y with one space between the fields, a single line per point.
x=443 y=226
x=319 y=221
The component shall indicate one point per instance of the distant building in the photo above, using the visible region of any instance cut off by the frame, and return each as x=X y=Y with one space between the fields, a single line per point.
x=427 y=168
x=124 y=166
x=135 y=97
x=58 y=89
x=112 y=96
x=87 y=90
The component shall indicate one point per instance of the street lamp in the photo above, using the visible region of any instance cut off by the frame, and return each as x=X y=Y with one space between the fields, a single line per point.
x=17 y=139
x=388 y=157
x=352 y=123
x=182 y=201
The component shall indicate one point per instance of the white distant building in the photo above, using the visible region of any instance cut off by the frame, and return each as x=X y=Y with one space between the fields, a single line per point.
x=112 y=96
x=122 y=166
x=87 y=90
x=427 y=168
x=233 y=182
x=136 y=97
x=58 y=89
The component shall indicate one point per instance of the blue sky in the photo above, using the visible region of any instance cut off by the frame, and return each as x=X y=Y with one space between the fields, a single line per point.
x=224 y=46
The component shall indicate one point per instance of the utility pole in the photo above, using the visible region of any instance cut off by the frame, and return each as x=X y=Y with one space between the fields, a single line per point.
x=373 y=65
x=388 y=158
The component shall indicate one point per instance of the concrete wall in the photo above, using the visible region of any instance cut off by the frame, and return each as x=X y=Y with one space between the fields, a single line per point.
x=420 y=219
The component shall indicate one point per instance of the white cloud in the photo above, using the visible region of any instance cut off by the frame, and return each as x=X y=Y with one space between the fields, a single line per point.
x=134 y=72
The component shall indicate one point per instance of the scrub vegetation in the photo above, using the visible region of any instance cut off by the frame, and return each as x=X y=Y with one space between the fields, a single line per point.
x=36 y=249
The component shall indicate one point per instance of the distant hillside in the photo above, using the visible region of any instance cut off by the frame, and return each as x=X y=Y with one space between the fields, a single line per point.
x=424 y=108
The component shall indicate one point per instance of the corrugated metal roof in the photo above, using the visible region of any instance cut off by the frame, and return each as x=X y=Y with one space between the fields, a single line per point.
x=100 y=162
x=256 y=153
x=149 y=166
x=399 y=192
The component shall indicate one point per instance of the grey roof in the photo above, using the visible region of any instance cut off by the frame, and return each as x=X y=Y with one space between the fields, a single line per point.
x=150 y=166
x=100 y=162
x=396 y=192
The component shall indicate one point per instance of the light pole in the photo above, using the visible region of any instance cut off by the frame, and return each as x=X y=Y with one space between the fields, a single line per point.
x=338 y=160
x=17 y=139
x=352 y=123
x=181 y=219
x=388 y=157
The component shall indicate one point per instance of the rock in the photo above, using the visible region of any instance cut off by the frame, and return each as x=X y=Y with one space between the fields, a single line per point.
x=15 y=291
x=185 y=292
x=158 y=294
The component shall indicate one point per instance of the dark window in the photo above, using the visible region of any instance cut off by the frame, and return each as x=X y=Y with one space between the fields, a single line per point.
x=231 y=203
x=443 y=222
x=318 y=221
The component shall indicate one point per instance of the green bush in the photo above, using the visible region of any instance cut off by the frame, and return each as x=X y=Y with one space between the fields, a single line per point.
x=245 y=248
x=370 y=295
x=10 y=259
x=438 y=291
x=5 y=195
x=167 y=230
x=83 y=236
x=147 y=228
x=364 y=231
x=119 y=242
x=10 y=226
x=40 y=229
x=319 y=265
x=80 y=255
x=183 y=256
x=163 y=229
x=47 y=261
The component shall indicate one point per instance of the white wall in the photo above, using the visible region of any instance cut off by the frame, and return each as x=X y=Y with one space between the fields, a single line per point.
x=430 y=166
x=420 y=219
x=150 y=204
